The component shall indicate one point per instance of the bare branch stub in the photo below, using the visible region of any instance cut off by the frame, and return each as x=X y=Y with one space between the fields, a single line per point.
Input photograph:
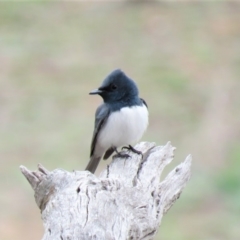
x=126 y=201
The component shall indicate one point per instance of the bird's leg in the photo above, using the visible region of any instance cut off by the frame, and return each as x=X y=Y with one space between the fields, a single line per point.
x=131 y=148
x=120 y=154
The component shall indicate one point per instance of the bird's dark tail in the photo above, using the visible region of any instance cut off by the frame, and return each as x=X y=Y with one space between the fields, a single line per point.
x=93 y=163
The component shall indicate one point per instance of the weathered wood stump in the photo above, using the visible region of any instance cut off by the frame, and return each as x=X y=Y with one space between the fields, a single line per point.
x=127 y=200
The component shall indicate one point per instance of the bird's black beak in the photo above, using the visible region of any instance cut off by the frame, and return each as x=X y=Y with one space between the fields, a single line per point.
x=95 y=91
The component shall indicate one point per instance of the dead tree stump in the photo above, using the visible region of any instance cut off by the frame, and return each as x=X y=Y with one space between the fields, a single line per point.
x=127 y=200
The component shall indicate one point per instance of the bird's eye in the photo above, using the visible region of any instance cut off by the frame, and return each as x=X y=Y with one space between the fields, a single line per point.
x=113 y=87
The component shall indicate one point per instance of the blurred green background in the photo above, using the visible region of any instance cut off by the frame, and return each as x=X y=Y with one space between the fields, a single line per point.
x=185 y=59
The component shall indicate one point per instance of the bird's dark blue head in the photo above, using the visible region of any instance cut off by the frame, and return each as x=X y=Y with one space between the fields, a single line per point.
x=117 y=87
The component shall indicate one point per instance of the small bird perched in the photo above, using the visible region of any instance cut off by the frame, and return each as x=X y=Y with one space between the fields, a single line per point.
x=120 y=120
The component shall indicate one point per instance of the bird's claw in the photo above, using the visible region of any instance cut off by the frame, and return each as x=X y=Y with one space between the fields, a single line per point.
x=130 y=148
x=121 y=155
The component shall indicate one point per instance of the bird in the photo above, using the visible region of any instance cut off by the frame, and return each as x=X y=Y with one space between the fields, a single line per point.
x=120 y=120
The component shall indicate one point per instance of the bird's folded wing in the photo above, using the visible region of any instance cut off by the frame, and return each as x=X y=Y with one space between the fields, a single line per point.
x=101 y=116
x=144 y=102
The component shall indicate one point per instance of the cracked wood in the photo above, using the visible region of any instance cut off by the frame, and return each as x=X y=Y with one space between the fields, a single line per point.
x=127 y=200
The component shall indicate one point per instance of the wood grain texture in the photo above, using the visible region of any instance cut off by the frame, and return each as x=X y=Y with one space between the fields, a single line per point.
x=127 y=200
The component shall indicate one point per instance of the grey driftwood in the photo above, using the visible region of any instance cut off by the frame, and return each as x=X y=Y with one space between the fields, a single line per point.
x=127 y=200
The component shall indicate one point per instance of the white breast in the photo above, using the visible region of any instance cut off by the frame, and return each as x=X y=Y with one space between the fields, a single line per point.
x=124 y=127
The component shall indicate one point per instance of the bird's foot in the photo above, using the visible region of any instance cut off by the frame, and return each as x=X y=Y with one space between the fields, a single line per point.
x=121 y=155
x=131 y=148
